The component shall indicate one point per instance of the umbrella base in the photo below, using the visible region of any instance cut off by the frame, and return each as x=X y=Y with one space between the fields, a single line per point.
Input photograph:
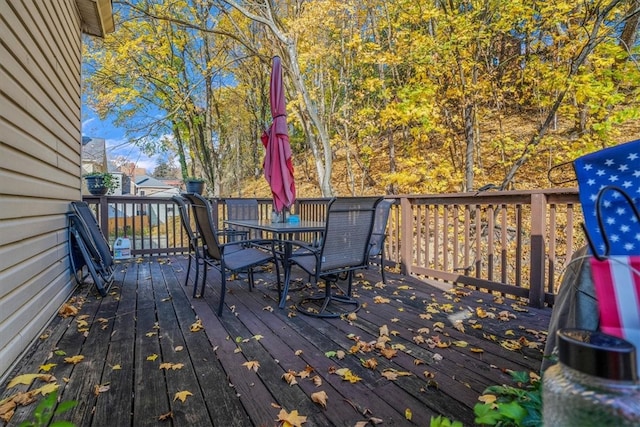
x=328 y=306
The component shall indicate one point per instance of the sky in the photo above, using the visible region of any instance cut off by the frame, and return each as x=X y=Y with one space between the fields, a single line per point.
x=116 y=142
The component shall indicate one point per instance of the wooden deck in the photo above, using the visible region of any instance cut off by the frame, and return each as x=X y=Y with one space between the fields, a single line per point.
x=148 y=319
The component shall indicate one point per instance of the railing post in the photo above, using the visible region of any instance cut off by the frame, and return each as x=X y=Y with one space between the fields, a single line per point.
x=537 y=258
x=104 y=217
x=406 y=235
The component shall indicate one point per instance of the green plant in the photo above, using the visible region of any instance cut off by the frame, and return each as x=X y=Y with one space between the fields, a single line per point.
x=108 y=180
x=441 y=421
x=512 y=406
x=193 y=179
x=47 y=409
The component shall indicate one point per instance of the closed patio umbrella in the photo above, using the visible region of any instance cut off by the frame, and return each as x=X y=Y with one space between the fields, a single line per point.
x=278 y=167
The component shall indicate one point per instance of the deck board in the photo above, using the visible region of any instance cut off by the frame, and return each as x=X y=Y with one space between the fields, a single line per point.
x=150 y=311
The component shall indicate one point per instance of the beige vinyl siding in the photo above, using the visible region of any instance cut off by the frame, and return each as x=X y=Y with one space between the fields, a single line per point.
x=40 y=47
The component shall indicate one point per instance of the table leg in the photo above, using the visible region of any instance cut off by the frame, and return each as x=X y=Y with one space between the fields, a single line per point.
x=288 y=249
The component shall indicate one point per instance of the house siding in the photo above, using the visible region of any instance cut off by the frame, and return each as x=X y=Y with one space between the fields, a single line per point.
x=40 y=133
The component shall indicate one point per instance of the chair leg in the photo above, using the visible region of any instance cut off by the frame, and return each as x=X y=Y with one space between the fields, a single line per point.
x=223 y=290
x=186 y=280
x=250 y=274
x=384 y=280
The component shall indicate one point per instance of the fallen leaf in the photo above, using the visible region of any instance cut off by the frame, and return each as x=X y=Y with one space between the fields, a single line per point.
x=166 y=416
x=298 y=352
x=182 y=395
x=116 y=367
x=408 y=414
x=47 y=367
x=197 y=326
x=487 y=398
x=317 y=380
x=27 y=379
x=320 y=398
x=460 y=343
x=178 y=348
x=257 y=337
x=476 y=350
x=152 y=357
x=371 y=363
x=67 y=310
x=389 y=353
x=390 y=375
x=290 y=378
x=100 y=389
x=383 y=331
x=74 y=359
x=252 y=365
x=7 y=410
x=46 y=389
x=150 y=334
x=381 y=300
x=293 y=419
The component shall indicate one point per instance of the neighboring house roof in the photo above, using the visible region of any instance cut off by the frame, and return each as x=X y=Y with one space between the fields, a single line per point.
x=143 y=181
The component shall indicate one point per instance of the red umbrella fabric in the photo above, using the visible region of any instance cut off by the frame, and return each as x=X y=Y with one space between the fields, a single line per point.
x=278 y=167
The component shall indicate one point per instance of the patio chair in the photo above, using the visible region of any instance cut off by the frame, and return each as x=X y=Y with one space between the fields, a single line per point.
x=86 y=239
x=243 y=209
x=235 y=257
x=378 y=235
x=194 y=247
x=344 y=248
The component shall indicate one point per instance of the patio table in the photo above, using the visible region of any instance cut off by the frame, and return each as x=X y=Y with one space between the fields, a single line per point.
x=283 y=233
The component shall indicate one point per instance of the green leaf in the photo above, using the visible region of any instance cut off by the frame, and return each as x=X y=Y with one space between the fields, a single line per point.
x=520 y=376
x=486 y=415
x=512 y=410
x=65 y=406
x=330 y=354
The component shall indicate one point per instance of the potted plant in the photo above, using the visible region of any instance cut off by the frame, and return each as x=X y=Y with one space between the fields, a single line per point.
x=194 y=185
x=100 y=183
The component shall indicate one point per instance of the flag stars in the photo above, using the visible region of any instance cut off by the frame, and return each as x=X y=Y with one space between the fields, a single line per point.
x=609 y=162
x=632 y=156
x=600 y=172
x=615 y=238
x=588 y=167
x=627 y=184
x=623 y=168
x=613 y=178
x=611 y=220
x=636 y=173
x=625 y=228
x=629 y=246
x=638 y=237
x=621 y=211
x=591 y=182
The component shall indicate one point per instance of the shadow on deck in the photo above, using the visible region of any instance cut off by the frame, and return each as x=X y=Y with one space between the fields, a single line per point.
x=142 y=355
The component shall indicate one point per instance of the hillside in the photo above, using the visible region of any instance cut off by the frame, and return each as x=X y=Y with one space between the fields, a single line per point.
x=491 y=168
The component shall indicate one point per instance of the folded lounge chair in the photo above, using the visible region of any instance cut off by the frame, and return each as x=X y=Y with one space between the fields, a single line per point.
x=86 y=239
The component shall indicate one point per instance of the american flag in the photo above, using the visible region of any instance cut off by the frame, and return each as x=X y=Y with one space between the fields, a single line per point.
x=617 y=166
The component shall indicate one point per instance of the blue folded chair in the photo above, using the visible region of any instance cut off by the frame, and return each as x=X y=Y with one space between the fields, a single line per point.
x=88 y=245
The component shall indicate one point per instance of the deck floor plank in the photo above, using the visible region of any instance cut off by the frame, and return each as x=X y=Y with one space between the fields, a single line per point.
x=151 y=397
x=120 y=354
x=220 y=398
x=283 y=339
x=150 y=311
